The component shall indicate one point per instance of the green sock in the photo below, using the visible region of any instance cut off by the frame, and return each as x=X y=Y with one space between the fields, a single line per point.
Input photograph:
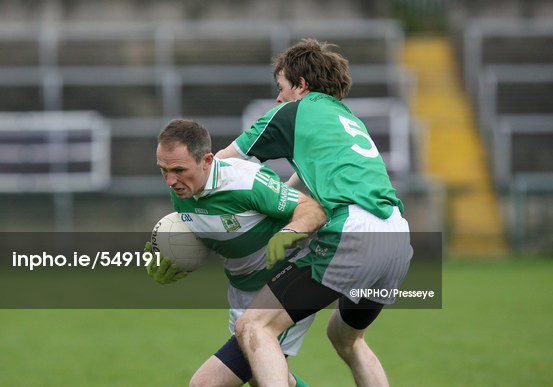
x=299 y=382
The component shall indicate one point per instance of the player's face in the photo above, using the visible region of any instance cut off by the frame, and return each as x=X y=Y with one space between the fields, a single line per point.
x=181 y=171
x=288 y=93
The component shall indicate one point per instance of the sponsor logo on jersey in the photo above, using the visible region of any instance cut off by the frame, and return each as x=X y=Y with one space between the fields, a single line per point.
x=186 y=217
x=317 y=97
x=201 y=211
x=230 y=223
x=283 y=197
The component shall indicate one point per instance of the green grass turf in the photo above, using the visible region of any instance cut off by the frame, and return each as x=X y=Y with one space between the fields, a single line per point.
x=494 y=330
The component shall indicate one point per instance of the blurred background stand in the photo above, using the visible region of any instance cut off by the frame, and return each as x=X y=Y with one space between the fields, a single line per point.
x=466 y=83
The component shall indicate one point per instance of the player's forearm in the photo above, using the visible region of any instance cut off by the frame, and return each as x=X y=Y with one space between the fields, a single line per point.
x=308 y=216
x=296 y=183
x=229 y=151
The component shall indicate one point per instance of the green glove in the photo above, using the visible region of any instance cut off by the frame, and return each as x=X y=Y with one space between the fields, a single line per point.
x=166 y=272
x=279 y=242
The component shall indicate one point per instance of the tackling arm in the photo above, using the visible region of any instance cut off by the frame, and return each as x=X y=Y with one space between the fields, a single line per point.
x=308 y=215
x=228 y=152
x=296 y=183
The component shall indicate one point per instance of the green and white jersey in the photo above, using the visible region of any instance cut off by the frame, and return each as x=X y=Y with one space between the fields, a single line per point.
x=330 y=150
x=242 y=205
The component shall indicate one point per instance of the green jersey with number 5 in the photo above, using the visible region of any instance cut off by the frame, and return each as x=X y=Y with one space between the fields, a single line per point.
x=330 y=150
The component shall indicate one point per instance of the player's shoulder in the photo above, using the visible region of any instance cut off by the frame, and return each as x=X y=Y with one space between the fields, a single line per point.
x=235 y=163
x=242 y=174
x=320 y=106
x=237 y=174
x=280 y=112
x=320 y=103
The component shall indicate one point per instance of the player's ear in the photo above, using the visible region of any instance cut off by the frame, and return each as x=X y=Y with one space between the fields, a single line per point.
x=303 y=86
x=207 y=159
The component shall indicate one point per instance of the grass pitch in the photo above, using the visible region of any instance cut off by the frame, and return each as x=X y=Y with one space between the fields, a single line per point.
x=494 y=330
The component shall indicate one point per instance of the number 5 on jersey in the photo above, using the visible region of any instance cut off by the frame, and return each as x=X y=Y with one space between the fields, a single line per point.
x=350 y=127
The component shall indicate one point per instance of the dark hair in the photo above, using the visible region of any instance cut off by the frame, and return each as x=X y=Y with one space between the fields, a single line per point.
x=323 y=70
x=187 y=132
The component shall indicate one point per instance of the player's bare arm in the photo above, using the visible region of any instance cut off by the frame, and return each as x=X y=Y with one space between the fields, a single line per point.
x=295 y=182
x=229 y=151
x=308 y=216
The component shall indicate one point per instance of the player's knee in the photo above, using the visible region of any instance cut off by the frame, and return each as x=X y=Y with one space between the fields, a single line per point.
x=243 y=327
x=342 y=340
x=342 y=346
x=335 y=339
x=331 y=331
x=334 y=327
x=345 y=348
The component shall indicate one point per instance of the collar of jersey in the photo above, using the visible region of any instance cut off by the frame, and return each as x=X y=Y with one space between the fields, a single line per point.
x=212 y=181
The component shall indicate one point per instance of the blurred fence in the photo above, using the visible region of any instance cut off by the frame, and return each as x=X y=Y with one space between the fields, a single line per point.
x=138 y=76
x=53 y=152
x=508 y=71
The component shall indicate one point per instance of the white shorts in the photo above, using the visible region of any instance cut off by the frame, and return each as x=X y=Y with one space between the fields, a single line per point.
x=290 y=340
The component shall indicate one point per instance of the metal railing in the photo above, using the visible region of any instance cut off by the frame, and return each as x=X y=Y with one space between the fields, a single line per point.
x=59 y=153
x=54 y=152
x=488 y=90
x=163 y=67
x=525 y=188
x=505 y=134
x=167 y=74
x=163 y=36
x=477 y=30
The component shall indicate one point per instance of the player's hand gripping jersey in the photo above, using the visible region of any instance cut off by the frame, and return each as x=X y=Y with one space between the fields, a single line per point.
x=330 y=150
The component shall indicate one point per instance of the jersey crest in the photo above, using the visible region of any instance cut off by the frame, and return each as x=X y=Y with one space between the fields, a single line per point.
x=274 y=185
x=230 y=222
